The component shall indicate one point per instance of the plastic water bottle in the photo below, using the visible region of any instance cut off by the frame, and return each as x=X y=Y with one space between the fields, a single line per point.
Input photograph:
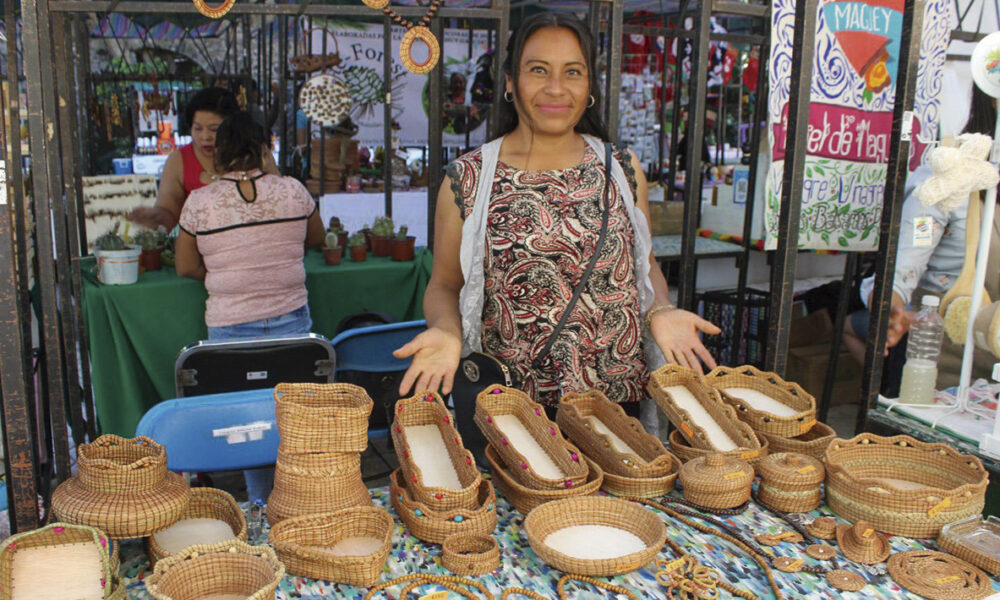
x=922 y=352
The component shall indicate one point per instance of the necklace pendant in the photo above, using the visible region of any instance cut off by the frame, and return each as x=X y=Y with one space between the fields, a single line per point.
x=423 y=34
x=376 y=4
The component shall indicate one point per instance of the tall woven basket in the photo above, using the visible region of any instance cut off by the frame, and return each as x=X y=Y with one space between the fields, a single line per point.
x=315 y=483
x=328 y=417
x=770 y=384
x=58 y=534
x=206 y=503
x=231 y=568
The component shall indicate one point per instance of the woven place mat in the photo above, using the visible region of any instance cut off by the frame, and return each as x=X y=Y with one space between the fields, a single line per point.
x=939 y=576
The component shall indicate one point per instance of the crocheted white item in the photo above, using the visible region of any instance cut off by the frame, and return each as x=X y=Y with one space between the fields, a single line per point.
x=958 y=172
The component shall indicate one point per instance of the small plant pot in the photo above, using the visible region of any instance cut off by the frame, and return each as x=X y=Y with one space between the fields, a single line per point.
x=402 y=250
x=332 y=255
x=358 y=253
x=342 y=239
x=151 y=259
x=381 y=245
x=118 y=267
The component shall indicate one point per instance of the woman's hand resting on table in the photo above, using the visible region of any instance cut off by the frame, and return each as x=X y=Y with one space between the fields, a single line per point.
x=435 y=353
x=676 y=333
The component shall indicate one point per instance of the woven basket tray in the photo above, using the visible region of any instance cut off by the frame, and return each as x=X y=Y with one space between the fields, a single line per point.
x=470 y=554
x=232 y=567
x=328 y=417
x=595 y=510
x=966 y=540
x=651 y=459
x=681 y=449
x=58 y=534
x=206 y=503
x=769 y=384
x=642 y=487
x=315 y=483
x=811 y=443
x=498 y=400
x=435 y=527
x=724 y=415
x=428 y=409
x=302 y=542
x=524 y=498
x=860 y=486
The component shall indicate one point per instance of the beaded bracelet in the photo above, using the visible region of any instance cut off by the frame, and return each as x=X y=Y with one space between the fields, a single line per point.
x=648 y=321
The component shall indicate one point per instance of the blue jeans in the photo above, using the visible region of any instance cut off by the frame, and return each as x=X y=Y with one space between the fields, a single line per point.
x=259 y=481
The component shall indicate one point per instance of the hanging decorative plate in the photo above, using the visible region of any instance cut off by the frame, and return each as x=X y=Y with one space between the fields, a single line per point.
x=214 y=12
x=985 y=64
x=325 y=99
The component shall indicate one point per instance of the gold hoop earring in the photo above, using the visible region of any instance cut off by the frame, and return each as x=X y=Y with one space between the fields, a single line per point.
x=592 y=101
x=509 y=97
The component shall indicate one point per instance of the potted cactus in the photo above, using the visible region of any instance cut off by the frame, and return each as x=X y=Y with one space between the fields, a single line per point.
x=381 y=236
x=332 y=248
x=152 y=242
x=402 y=245
x=117 y=262
x=337 y=227
x=356 y=244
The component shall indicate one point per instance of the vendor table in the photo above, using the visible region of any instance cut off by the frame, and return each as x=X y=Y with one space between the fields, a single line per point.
x=134 y=332
x=521 y=567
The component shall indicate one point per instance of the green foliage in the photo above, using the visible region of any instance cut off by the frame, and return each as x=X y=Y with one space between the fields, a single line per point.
x=402 y=233
x=358 y=239
x=110 y=240
x=152 y=239
x=383 y=226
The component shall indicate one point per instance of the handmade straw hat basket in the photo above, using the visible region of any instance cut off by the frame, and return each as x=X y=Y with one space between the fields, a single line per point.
x=861 y=543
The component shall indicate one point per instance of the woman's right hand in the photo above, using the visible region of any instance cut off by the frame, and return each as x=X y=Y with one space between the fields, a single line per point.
x=435 y=353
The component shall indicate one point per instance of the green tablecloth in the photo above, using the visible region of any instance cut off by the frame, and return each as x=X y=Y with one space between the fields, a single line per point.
x=135 y=332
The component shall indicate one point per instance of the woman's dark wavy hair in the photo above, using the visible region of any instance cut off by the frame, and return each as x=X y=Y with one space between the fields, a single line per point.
x=213 y=99
x=982 y=113
x=591 y=121
x=239 y=144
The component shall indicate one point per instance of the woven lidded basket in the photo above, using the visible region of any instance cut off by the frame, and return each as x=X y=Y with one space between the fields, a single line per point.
x=122 y=487
x=315 y=483
x=975 y=540
x=59 y=534
x=680 y=448
x=790 y=482
x=428 y=409
x=732 y=383
x=595 y=510
x=232 y=568
x=903 y=486
x=576 y=415
x=811 y=443
x=641 y=487
x=498 y=401
x=433 y=526
x=206 y=503
x=464 y=554
x=303 y=545
x=525 y=499
x=717 y=481
x=322 y=417
x=673 y=376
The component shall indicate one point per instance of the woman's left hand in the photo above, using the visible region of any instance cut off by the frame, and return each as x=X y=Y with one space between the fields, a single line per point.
x=676 y=333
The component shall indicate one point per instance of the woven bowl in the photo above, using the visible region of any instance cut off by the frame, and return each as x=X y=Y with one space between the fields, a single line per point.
x=432 y=526
x=642 y=487
x=206 y=503
x=328 y=417
x=496 y=401
x=680 y=448
x=232 y=568
x=470 y=554
x=428 y=409
x=903 y=486
x=525 y=499
x=771 y=385
x=302 y=542
x=576 y=411
x=58 y=534
x=811 y=443
x=315 y=483
x=595 y=510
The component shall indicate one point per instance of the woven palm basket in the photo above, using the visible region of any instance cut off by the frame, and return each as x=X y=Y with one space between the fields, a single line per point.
x=576 y=415
x=435 y=527
x=315 y=483
x=938 y=576
x=327 y=417
x=903 y=486
x=975 y=540
x=790 y=482
x=464 y=554
x=60 y=534
x=811 y=443
x=303 y=545
x=767 y=383
x=717 y=481
x=708 y=397
x=498 y=400
x=680 y=448
x=428 y=409
x=525 y=499
x=595 y=510
x=641 y=487
x=206 y=503
x=122 y=487
x=231 y=568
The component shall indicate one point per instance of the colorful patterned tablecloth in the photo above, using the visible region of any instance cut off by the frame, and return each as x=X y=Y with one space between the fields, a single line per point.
x=520 y=566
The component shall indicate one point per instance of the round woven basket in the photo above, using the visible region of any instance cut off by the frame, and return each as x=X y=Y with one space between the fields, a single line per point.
x=499 y=400
x=230 y=568
x=681 y=449
x=465 y=554
x=717 y=481
x=433 y=526
x=328 y=417
x=642 y=487
x=315 y=483
x=526 y=499
x=938 y=576
x=595 y=510
x=955 y=539
x=206 y=503
x=811 y=443
x=771 y=385
x=903 y=486
x=122 y=487
x=790 y=482
x=575 y=416
x=58 y=534
x=428 y=409
x=302 y=544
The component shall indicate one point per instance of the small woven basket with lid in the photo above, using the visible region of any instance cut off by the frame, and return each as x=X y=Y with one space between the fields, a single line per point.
x=717 y=481
x=206 y=503
x=811 y=443
x=680 y=448
x=233 y=569
x=668 y=376
x=315 y=483
x=303 y=545
x=428 y=409
x=525 y=499
x=903 y=486
x=60 y=534
x=790 y=482
x=322 y=417
x=433 y=526
x=575 y=416
x=771 y=385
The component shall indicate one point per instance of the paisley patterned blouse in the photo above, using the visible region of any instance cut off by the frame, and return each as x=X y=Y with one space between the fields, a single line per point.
x=542 y=228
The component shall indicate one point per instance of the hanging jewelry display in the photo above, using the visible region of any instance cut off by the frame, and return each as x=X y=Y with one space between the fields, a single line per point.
x=214 y=12
x=116 y=110
x=414 y=33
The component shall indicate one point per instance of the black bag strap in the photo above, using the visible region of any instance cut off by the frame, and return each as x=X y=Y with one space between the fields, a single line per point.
x=590 y=266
